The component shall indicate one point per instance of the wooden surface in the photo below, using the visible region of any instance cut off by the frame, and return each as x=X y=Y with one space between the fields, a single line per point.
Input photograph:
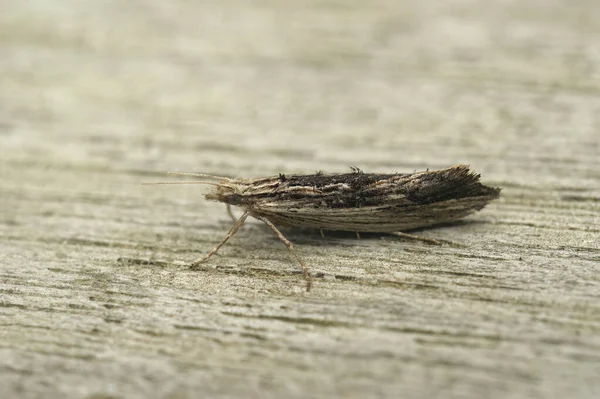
x=95 y=297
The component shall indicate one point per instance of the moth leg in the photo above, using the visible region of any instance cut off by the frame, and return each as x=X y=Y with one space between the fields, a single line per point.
x=233 y=230
x=418 y=238
x=322 y=234
x=230 y=213
x=357 y=235
x=290 y=247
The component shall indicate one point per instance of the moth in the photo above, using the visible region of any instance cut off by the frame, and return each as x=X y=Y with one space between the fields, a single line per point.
x=357 y=202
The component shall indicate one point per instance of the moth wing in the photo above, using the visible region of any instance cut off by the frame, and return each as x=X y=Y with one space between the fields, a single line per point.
x=376 y=219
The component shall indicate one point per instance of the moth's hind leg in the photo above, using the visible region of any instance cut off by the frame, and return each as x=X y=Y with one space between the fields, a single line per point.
x=417 y=238
x=290 y=247
x=231 y=233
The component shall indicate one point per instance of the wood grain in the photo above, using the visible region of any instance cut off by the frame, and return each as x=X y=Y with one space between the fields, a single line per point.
x=96 y=300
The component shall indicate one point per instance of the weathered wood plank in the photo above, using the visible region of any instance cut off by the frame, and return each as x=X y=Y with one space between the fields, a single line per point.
x=95 y=297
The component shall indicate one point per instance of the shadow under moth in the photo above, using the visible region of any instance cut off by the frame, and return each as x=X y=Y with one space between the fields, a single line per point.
x=356 y=202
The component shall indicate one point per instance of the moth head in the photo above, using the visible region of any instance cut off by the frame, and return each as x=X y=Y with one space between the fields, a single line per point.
x=228 y=192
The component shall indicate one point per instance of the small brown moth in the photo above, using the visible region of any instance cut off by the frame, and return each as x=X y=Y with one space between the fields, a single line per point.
x=356 y=201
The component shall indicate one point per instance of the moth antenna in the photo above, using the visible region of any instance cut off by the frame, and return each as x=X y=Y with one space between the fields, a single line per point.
x=198 y=175
x=212 y=183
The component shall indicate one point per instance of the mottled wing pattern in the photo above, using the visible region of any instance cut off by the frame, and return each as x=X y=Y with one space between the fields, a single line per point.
x=369 y=202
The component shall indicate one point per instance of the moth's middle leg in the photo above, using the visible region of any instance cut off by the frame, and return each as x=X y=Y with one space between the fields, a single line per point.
x=290 y=247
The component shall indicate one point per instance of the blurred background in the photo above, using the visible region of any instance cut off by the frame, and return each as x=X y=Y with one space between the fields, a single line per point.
x=257 y=87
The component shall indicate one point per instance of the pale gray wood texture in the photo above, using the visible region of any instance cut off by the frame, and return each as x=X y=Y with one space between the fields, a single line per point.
x=97 y=96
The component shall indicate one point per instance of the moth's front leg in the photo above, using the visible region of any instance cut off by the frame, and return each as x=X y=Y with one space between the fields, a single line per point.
x=234 y=229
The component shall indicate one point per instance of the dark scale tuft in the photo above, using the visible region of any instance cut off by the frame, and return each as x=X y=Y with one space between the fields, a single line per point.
x=355 y=197
x=454 y=183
